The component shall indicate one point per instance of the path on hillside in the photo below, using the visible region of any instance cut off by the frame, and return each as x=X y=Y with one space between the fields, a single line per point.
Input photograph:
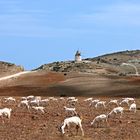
x=15 y=75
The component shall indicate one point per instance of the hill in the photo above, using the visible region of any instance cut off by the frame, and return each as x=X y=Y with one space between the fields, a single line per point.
x=105 y=64
x=9 y=68
x=99 y=76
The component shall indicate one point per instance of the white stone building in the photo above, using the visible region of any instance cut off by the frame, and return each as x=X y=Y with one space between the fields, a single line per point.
x=78 y=57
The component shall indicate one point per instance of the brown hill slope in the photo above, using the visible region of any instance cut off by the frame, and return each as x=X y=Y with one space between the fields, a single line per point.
x=73 y=84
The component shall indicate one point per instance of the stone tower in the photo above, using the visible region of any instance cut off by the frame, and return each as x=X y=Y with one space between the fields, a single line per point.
x=78 y=57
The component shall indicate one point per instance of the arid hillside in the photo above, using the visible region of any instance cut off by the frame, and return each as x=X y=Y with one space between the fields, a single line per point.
x=101 y=78
x=7 y=68
x=105 y=64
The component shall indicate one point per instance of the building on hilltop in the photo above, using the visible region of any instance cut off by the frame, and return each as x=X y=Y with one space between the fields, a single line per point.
x=78 y=57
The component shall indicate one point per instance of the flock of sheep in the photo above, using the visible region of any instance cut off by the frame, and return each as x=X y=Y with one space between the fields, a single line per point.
x=73 y=117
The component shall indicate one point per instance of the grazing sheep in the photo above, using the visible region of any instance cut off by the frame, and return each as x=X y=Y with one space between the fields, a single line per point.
x=100 y=118
x=31 y=97
x=100 y=104
x=124 y=101
x=94 y=102
x=23 y=98
x=43 y=102
x=88 y=99
x=24 y=103
x=5 y=112
x=71 y=98
x=52 y=98
x=9 y=99
x=130 y=99
x=72 y=120
x=116 y=111
x=70 y=110
x=61 y=98
x=115 y=102
x=133 y=107
x=39 y=108
x=72 y=102
x=34 y=102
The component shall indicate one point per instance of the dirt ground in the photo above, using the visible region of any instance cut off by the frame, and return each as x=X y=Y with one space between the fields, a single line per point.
x=29 y=125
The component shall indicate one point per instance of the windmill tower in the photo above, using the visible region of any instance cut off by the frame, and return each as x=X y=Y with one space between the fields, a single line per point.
x=78 y=57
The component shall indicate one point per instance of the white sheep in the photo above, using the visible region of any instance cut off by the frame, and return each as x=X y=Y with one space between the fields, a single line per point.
x=100 y=118
x=38 y=98
x=71 y=98
x=34 y=102
x=94 y=102
x=100 y=104
x=70 y=110
x=116 y=110
x=9 y=99
x=39 y=108
x=43 y=102
x=133 y=107
x=31 y=97
x=115 y=102
x=130 y=99
x=5 y=112
x=124 y=101
x=72 y=120
x=53 y=99
x=24 y=103
x=23 y=98
x=88 y=99
x=61 y=98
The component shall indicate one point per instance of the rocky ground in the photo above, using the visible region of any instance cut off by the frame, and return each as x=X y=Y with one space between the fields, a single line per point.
x=28 y=125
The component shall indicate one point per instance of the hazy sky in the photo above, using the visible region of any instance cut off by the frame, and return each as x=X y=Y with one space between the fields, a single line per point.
x=34 y=32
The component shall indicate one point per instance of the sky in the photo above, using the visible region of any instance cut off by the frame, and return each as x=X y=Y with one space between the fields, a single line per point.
x=36 y=32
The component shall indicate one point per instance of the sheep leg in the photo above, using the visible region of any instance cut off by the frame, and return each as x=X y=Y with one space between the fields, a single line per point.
x=121 y=115
x=80 y=125
x=77 y=127
x=69 y=130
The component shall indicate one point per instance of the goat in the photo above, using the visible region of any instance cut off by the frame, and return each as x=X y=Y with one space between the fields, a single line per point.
x=116 y=110
x=99 y=119
x=132 y=107
x=72 y=120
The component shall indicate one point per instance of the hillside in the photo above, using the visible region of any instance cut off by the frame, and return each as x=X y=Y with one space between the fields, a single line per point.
x=105 y=64
x=9 y=68
x=98 y=76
